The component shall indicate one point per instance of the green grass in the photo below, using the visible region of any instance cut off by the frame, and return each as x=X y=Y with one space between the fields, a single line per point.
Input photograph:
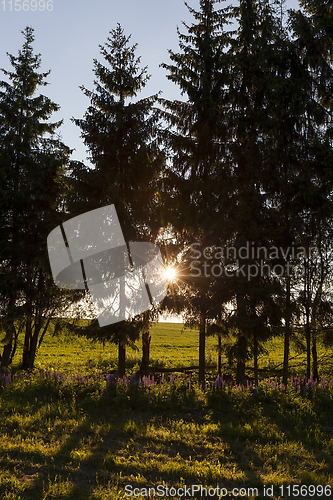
x=171 y=346
x=72 y=441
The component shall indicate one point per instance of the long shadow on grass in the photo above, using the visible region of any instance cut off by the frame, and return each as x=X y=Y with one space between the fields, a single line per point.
x=147 y=440
x=152 y=433
x=304 y=419
x=81 y=457
x=71 y=472
x=149 y=437
x=280 y=427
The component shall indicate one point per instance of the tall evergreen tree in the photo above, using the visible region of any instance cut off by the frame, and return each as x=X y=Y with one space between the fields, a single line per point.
x=32 y=167
x=197 y=134
x=248 y=212
x=244 y=144
x=313 y=44
x=122 y=138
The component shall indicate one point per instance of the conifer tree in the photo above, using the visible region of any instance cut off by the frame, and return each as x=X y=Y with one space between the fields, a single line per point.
x=197 y=135
x=250 y=170
x=32 y=168
x=121 y=134
x=252 y=67
x=313 y=43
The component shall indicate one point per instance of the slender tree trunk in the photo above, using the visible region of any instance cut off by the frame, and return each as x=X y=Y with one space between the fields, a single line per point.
x=315 y=356
x=308 y=345
x=315 y=308
x=146 y=338
x=202 y=347
x=45 y=328
x=16 y=336
x=12 y=354
x=33 y=349
x=121 y=346
x=307 y=299
x=26 y=348
x=242 y=350
x=255 y=359
x=241 y=341
x=121 y=360
x=219 y=360
x=27 y=339
x=287 y=335
x=10 y=334
x=6 y=354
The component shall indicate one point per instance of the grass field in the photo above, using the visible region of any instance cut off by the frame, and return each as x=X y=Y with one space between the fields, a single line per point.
x=171 y=346
x=69 y=432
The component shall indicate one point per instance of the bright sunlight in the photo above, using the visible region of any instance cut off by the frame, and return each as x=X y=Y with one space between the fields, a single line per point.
x=170 y=273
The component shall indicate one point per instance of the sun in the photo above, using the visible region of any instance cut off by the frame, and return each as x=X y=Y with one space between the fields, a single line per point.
x=170 y=273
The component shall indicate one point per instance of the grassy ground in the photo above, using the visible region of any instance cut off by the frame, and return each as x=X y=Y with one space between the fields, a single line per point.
x=86 y=437
x=171 y=346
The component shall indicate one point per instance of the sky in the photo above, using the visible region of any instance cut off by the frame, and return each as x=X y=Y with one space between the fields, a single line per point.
x=68 y=39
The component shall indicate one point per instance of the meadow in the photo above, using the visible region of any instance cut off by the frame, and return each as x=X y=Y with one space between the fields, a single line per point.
x=71 y=430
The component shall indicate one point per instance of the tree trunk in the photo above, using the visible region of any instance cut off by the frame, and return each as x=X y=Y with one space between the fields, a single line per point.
x=33 y=350
x=12 y=354
x=122 y=305
x=202 y=348
x=307 y=299
x=10 y=334
x=287 y=336
x=6 y=354
x=255 y=359
x=308 y=346
x=145 y=352
x=219 y=363
x=315 y=356
x=27 y=345
x=241 y=357
x=121 y=360
x=241 y=343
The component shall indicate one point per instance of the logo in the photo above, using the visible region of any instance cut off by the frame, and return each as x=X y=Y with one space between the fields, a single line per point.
x=90 y=252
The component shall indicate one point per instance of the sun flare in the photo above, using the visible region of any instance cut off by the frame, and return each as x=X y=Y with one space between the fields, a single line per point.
x=170 y=273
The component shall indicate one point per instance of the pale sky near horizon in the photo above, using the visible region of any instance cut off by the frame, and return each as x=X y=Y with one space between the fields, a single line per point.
x=68 y=39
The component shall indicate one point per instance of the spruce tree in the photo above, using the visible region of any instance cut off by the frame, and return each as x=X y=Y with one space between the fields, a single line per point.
x=313 y=42
x=247 y=213
x=197 y=135
x=276 y=118
x=121 y=134
x=32 y=179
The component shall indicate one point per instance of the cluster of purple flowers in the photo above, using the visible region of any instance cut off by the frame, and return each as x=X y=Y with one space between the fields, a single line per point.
x=6 y=378
x=301 y=384
x=78 y=378
x=297 y=384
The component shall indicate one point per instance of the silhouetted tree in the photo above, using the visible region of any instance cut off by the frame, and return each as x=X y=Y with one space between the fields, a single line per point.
x=196 y=135
x=32 y=180
x=122 y=139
